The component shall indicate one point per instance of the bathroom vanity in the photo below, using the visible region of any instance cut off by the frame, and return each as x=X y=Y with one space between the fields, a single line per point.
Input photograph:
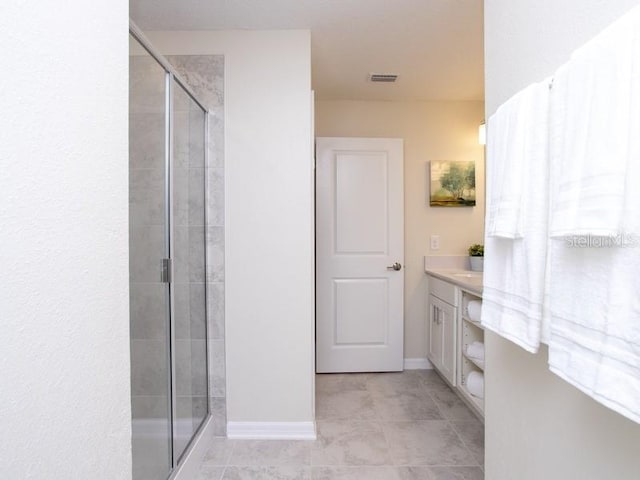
x=456 y=338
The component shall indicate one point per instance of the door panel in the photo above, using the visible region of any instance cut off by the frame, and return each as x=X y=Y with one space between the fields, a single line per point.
x=188 y=282
x=361 y=306
x=361 y=202
x=148 y=245
x=359 y=233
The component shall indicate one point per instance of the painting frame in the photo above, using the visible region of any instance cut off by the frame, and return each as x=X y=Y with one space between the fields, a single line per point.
x=452 y=183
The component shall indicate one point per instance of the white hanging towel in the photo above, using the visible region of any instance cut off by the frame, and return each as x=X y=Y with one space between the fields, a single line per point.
x=517 y=217
x=507 y=149
x=595 y=131
x=594 y=283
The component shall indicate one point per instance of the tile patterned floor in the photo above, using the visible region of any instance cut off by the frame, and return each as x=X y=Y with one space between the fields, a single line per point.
x=380 y=426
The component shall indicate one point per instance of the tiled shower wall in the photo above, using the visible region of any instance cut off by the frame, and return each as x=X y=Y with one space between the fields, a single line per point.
x=205 y=76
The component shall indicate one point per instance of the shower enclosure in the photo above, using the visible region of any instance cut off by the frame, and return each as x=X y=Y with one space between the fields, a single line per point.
x=167 y=138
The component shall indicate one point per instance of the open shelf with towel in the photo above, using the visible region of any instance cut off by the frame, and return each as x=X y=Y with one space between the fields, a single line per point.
x=467 y=373
x=475 y=361
x=472 y=343
x=471 y=348
x=471 y=315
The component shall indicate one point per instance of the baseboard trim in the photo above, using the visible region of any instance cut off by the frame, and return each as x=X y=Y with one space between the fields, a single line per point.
x=417 y=364
x=272 y=430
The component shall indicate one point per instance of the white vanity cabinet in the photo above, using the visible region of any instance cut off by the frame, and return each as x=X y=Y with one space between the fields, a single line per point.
x=442 y=319
x=452 y=331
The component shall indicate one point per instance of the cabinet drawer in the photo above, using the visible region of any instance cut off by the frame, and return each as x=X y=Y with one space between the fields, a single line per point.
x=443 y=290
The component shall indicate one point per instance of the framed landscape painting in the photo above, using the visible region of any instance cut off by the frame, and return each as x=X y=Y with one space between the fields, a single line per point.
x=453 y=184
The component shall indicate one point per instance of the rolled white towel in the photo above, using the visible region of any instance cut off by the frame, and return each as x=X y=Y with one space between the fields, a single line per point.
x=474 y=307
x=475 y=350
x=475 y=384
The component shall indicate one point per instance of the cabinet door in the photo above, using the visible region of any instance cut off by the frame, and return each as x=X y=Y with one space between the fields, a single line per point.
x=448 y=324
x=442 y=337
x=435 y=332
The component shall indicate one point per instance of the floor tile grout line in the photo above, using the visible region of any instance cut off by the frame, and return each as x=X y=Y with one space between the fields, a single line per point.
x=422 y=388
x=234 y=444
x=388 y=443
x=376 y=408
x=437 y=404
x=455 y=430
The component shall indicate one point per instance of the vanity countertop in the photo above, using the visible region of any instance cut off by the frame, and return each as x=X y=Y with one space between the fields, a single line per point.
x=466 y=279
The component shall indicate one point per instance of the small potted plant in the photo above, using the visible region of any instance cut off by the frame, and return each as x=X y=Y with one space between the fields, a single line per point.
x=476 y=257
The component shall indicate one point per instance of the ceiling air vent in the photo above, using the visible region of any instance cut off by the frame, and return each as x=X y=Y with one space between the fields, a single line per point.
x=383 y=77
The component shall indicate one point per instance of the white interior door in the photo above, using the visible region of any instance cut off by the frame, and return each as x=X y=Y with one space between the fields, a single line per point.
x=359 y=238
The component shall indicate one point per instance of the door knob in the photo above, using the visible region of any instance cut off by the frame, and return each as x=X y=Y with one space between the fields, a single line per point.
x=396 y=266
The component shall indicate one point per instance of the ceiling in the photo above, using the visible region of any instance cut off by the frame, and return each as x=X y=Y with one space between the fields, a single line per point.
x=435 y=46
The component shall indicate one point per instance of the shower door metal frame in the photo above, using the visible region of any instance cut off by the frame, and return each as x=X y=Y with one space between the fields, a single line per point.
x=172 y=75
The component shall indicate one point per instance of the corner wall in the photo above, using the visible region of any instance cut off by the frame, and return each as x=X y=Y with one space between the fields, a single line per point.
x=65 y=409
x=436 y=130
x=268 y=218
x=538 y=426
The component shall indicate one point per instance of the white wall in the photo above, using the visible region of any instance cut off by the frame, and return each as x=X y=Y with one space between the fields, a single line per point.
x=269 y=222
x=431 y=131
x=528 y=41
x=64 y=367
x=538 y=426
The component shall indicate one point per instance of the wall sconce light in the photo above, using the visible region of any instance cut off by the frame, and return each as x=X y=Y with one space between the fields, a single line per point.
x=482 y=134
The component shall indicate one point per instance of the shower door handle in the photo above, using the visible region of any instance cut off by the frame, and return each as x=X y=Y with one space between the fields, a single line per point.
x=165 y=274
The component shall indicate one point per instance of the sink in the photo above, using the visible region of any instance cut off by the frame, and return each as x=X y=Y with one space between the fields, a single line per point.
x=463 y=278
x=467 y=278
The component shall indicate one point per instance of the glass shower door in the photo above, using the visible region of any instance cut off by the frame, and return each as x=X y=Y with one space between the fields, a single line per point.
x=188 y=254
x=148 y=244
